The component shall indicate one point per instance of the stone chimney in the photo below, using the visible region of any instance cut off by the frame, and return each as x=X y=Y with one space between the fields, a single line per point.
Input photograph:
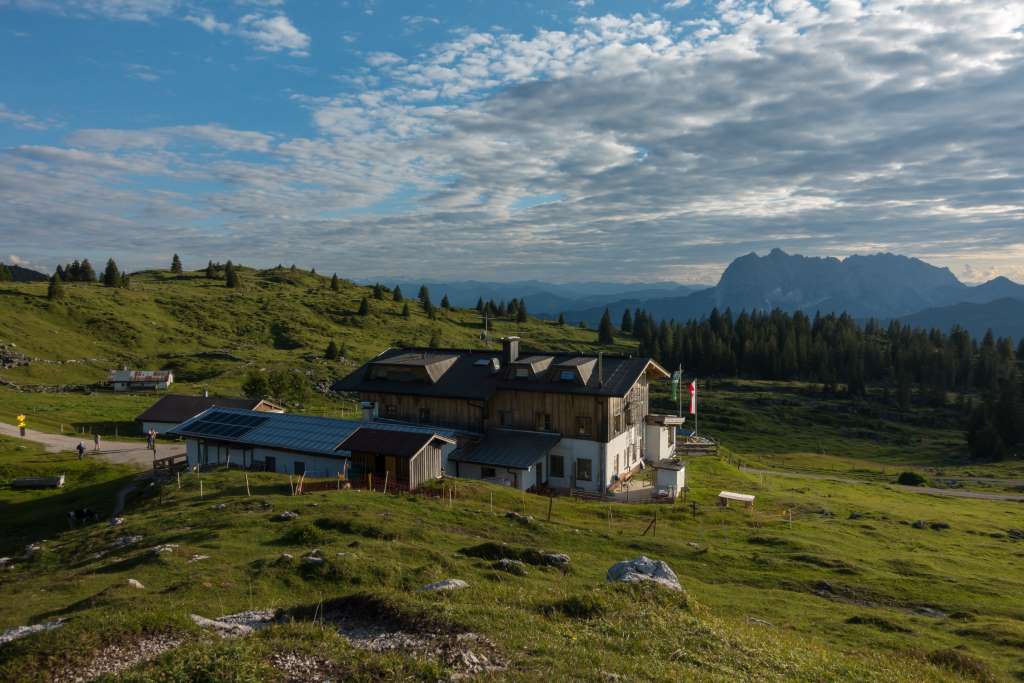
x=509 y=350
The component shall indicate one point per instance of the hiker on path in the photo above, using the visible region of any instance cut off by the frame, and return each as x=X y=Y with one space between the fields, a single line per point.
x=81 y=450
x=151 y=440
x=96 y=442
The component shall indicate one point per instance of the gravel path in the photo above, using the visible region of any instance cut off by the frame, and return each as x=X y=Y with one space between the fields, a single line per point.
x=928 y=490
x=120 y=452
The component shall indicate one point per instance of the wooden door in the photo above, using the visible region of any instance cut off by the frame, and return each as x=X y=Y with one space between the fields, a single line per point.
x=270 y=463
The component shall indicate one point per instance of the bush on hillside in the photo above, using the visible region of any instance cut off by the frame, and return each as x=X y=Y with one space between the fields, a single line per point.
x=910 y=479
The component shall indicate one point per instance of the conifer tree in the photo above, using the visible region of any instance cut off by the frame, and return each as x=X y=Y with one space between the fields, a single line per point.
x=561 y=318
x=406 y=313
x=230 y=276
x=480 y=305
x=627 y=322
x=86 y=273
x=364 y=306
x=334 y=283
x=521 y=314
x=445 y=304
x=332 y=351
x=55 y=290
x=397 y=294
x=605 y=332
x=5 y=273
x=111 y=275
x=176 y=265
x=211 y=272
x=378 y=292
x=125 y=281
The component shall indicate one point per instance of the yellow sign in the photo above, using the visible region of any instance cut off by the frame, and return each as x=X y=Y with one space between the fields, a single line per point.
x=21 y=420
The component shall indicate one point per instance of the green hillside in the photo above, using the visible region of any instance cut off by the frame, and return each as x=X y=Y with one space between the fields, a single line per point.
x=821 y=582
x=211 y=335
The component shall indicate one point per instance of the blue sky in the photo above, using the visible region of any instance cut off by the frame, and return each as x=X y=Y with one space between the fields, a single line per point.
x=552 y=140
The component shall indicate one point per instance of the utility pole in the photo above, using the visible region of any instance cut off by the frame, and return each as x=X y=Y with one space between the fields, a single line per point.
x=486 y=318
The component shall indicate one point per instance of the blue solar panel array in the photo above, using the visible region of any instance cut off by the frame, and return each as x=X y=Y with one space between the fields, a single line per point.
x=286 y=431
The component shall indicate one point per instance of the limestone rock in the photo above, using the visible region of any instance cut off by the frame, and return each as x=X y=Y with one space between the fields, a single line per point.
x=445 y=586
x=645 y=569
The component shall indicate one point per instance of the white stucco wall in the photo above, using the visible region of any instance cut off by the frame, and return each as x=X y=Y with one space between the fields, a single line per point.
x=316 y=466
x=521 y=479
x=158 y=427
x=670 y=480
x=656 y=443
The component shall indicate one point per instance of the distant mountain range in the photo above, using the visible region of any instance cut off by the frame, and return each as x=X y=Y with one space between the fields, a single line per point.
x=544 y=299
x=20 y=274
x=882 y=286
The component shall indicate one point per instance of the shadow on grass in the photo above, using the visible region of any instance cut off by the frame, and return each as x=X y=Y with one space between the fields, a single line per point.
x=40 y=516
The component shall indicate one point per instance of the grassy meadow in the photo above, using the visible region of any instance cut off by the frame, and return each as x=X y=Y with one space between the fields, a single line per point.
x=822 y=581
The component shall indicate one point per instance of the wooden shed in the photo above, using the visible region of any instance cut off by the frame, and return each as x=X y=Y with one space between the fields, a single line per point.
x=407 y=459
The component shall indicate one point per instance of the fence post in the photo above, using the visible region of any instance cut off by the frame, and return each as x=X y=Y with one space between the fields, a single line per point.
x=551 y=503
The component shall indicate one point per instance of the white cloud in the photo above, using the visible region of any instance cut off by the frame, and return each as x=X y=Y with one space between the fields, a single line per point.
x=20 y=120
x=209 y=23
x=125 y=10
x=274 y=34
x=676 y=4
x=822 y=129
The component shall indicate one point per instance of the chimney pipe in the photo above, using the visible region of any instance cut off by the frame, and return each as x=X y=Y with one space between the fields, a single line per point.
x=600 y=368
x=509 y=350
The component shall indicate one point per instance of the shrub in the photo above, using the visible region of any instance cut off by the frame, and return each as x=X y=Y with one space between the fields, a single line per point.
x=306 y=534
x=910 y=479
x=962 y=663
x=585 y=606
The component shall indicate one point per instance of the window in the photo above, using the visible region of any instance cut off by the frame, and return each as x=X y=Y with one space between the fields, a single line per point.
x=424 y=414
x=584 y=425
x=543 y=422
x=583 y=469
x=391 y=410
x=557 y=467
x=618 y=423
x=567 y=376
x=522 y=372
x=505 y=418
x=487 y=473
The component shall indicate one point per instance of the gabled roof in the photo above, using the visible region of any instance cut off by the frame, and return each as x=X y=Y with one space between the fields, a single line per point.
x=139 y=375
x=389 y=442
x=177 y=408
x=471 y=376
x=287 y=431
x=513 y=448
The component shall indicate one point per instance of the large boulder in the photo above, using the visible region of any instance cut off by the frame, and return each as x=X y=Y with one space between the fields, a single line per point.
x=445 y=586
x=645 y=569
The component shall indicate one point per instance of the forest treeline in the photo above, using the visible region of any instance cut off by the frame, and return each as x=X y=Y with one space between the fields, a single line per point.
x=910 y=365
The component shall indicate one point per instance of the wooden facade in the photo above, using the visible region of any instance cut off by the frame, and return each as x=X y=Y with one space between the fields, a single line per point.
x=573 y=415
x=405 y=472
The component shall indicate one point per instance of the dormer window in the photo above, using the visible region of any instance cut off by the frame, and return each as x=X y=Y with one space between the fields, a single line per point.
x=567 y=375
x=522 y=373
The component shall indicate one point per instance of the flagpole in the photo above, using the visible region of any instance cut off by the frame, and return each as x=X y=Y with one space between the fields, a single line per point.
x=679 y=389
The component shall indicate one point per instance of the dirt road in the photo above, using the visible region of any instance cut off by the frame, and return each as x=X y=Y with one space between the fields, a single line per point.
x=121 y=452
x=949 y=493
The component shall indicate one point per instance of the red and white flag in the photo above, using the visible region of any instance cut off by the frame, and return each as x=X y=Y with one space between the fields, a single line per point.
x=693 y=397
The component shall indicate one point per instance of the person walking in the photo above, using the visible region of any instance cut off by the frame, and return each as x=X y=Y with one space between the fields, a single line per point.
x=96 y=442
x=151 y=440
x=81 y=450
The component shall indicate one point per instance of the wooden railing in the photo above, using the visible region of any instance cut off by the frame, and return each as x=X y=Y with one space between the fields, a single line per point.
x=172 y=463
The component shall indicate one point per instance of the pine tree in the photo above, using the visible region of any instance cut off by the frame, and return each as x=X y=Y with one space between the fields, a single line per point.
x=125 y=281
x=561 y=318
x=334 y=283
x=445 y=304
x=428 y=306
x=480 y=308
x=364 y=306
x=211 y=272
x=111 y=275
x=230 y=276
x=521 y=314
x=55 y=290
x=5 y=273
x=627 y=322
x=405 y=311
x=86 y=273
x=176 y=265
x=605 y=332
x=332 y=352
x=378 y=292
x=424 y=293
x=397 y=294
